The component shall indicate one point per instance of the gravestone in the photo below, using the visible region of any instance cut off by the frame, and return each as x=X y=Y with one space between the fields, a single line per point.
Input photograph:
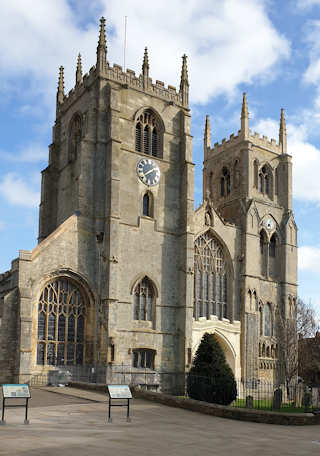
x=249 y=402
x=277 y=399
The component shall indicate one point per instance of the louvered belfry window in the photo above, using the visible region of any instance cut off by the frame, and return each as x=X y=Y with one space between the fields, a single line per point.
x=210 y=278
x=61 y=323
x=147 y=134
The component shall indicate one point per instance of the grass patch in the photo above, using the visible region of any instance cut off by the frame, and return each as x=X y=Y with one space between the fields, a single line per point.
x=265 y=404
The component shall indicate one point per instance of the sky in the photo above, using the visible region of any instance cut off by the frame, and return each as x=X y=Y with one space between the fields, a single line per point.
x=266 y=48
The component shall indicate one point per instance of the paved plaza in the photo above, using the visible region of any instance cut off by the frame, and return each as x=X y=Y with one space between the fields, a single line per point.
x=66 y=421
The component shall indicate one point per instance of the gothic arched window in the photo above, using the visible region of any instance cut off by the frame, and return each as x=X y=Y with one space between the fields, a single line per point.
x=61 y=323
x=75 y=135
x=272 y=246
x=210 y=279
x=225 y=182
x=143 y=297
x=267 y=321
x=147 y=204
x=265 y=181
x=148 y=134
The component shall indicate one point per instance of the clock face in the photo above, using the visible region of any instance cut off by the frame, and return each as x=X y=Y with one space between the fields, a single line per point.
x=148 y=172
x=269 y=223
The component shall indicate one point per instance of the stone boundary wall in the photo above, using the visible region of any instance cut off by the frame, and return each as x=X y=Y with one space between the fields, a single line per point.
x=222 y=411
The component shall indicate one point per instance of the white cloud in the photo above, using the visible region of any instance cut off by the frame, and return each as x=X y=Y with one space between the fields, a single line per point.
x=18 y=192
x=309 y=258
x=228 y=42
x=29 y=154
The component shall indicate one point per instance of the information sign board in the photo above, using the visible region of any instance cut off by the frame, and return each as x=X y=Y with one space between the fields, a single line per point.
x=119 y=392
x=15 y=391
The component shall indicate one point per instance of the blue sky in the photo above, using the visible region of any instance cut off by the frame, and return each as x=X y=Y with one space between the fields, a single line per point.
x=269 y=49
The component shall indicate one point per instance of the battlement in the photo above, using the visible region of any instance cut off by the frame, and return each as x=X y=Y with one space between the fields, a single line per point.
x=255 y=139
x=127 y=79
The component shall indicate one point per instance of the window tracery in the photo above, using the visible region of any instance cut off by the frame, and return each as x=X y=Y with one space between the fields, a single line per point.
x=143 y=300
x=61 y=323
x=148 y=134
x=265 y=181
x=210 y=279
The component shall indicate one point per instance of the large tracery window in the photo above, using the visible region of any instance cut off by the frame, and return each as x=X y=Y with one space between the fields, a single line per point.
x=210 y=279
x=143 y=300
x=61 y=322
x=148 y=134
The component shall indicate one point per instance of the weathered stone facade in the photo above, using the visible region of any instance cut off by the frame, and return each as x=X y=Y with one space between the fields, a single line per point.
x=152 y=274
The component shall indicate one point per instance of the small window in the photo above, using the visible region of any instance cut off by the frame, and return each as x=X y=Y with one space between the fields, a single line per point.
x=225 y=182
x=267 y=321
x=147 y=205
x=143 y=358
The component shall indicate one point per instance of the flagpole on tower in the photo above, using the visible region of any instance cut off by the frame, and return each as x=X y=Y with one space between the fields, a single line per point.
x=125 y=43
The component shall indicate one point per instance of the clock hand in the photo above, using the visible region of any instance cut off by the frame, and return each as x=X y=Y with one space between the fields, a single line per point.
x=150 y=171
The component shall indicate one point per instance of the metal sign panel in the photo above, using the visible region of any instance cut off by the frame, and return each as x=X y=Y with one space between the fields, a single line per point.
x=15 y=391
x=119 y=392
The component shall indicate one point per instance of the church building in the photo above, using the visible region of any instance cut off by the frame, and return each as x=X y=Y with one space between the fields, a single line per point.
x=126 y=272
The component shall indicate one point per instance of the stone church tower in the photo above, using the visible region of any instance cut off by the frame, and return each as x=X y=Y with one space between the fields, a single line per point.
x=248 y=182
x=126 y=274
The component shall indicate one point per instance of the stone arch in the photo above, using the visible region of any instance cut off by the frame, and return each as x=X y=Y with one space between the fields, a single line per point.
x=139 y=278
x=226 y=346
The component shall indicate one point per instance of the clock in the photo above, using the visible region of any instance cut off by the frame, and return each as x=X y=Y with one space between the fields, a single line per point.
x=148 y=172
x=269 y=223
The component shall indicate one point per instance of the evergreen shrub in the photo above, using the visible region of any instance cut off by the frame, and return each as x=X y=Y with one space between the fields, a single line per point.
x=210 y=378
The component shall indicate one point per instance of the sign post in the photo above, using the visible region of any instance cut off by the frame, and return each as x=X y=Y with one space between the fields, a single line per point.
x=119 y=392
x=10 y=391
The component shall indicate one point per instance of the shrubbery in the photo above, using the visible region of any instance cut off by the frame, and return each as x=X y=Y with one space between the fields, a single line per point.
x=211 y=378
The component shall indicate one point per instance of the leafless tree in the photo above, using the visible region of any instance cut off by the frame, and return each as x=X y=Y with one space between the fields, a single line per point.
x=302 y=324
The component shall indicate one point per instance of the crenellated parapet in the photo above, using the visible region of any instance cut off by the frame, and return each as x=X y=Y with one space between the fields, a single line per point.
x=254 y=139
x=127 y=79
